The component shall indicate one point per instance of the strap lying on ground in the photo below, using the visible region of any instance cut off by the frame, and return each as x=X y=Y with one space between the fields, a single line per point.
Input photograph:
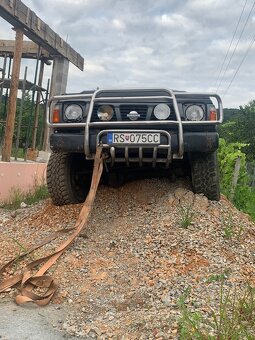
x=26 y=279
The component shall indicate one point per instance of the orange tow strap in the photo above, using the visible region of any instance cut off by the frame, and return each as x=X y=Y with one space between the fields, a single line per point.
x=26 y=280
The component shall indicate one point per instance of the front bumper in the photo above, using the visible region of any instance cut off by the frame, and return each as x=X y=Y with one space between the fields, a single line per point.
x=193 y=142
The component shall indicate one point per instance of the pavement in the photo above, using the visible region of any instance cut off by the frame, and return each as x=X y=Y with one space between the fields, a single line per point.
x=31 y=322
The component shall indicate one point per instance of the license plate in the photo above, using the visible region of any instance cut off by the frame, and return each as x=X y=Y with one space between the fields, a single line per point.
x=133 y=138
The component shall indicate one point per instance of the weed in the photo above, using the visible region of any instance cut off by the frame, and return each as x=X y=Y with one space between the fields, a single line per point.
x=189 y=323
x=20 y=153
x=40 y=193
x=228 y=226
x=235 y=318
x=22 y=249
x=230 y=230
x=33 y=196
x=187 y=215
x=218 y=277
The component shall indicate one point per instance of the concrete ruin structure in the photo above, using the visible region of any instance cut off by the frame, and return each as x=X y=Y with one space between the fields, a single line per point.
x=46 y=46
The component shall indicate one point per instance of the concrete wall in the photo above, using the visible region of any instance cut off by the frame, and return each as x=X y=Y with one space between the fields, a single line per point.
x=21 y=176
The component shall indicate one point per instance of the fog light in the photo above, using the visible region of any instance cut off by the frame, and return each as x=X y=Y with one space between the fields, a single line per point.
x=194 y=112
x=105 y=112
x=73 y=112
x=162 y=111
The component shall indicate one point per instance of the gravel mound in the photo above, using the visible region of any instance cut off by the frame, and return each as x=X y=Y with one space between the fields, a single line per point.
x=146 y=244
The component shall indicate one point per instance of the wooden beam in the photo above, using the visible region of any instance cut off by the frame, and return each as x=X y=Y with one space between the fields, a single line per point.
x=19 y=15
x=11 y=113
x=29 y=50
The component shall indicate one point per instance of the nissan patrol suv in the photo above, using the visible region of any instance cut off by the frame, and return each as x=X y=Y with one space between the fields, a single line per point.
x=138 y=129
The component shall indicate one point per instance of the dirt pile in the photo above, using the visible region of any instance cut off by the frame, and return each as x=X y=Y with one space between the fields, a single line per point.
x=146 y=244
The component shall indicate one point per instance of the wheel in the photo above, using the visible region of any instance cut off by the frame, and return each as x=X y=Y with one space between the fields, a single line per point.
x=68 y=177
x=205 y=175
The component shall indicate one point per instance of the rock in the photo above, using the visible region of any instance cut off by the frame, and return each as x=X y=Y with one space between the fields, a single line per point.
x=23 y=205
x=92 y=334
x=112 y=244
x=14 y=213
x=201 y=203
x=95 y=331
x=187 y=199
x=166 y=299
x=179 y=193
x=171 y=199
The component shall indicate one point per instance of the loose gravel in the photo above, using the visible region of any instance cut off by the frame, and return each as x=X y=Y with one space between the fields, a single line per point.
x=123 y=277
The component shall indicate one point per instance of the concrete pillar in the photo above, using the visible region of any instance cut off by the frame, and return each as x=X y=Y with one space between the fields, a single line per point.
x=59 y=78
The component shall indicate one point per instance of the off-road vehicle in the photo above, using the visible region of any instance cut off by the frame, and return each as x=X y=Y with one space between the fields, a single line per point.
x=139 y=129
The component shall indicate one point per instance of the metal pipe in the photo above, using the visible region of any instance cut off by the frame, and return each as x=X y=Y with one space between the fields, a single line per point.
x=37 y=107
x=32 y=105
x=2 y=78
x=43 y=136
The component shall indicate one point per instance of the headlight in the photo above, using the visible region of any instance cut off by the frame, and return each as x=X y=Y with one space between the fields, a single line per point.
x=162 y=111
x=73 y=112
x=194 y=112
x=105 y=112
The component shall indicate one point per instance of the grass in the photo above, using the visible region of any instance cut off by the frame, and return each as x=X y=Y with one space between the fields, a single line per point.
x=244 y=200
x=234 y=319
x=218 y=277
x=22 y=249
x=230 y=229
x=186 y=216
x=33 y=196
x=20 y=153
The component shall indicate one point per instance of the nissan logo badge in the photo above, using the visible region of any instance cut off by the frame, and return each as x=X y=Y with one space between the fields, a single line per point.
x=133 y=115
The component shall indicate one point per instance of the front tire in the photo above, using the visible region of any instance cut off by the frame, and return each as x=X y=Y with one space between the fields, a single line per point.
x=68 y=177
x=205 y=175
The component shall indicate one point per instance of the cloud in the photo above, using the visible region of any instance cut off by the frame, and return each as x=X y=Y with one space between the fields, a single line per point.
x=165 y=43
x=175 y=21
x=118 y=24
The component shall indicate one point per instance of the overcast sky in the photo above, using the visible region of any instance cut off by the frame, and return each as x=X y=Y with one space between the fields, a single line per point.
x=177 y=44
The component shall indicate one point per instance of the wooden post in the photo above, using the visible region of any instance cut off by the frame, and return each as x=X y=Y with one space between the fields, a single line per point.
x=235 y=178
x=10 y=120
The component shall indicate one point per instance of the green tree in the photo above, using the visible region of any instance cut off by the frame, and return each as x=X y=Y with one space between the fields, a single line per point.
x=240 y=128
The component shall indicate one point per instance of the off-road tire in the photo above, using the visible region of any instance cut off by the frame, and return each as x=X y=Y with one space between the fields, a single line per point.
x=68 y=178
x=205 y=175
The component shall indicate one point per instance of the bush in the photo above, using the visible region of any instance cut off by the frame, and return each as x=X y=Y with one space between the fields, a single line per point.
x=244 y=196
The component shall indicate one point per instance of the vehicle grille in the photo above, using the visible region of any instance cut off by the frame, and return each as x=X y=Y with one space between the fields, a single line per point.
x=140 y=109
